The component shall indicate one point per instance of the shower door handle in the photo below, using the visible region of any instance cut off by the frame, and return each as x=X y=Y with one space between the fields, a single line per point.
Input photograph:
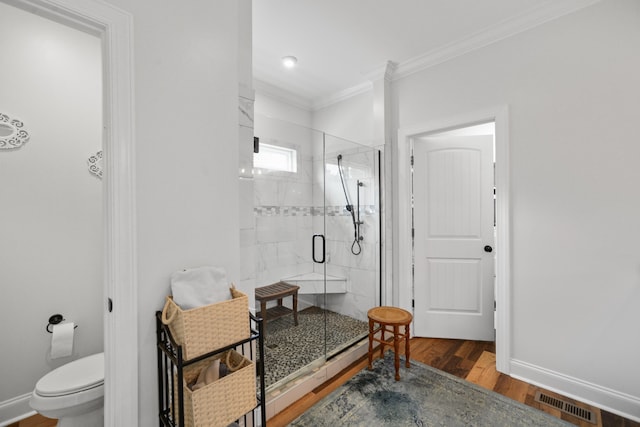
x=313 y=248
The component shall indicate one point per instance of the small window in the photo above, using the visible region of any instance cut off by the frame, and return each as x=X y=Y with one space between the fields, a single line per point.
x=276 y=158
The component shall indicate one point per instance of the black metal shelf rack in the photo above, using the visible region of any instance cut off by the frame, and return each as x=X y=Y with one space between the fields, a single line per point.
x=170 y=360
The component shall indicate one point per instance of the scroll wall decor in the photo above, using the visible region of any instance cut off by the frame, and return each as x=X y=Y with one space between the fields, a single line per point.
x=12 y=132
x=95 y=164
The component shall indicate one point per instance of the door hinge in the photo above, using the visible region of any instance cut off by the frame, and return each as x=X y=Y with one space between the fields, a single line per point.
x=413 y=303
x=412 y=160
x=413 y=233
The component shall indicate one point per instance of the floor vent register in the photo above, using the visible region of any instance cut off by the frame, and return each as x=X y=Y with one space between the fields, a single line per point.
x=566 y=407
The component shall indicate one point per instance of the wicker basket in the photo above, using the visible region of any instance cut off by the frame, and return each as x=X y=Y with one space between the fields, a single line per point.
x=205 y=329
x=224 y=400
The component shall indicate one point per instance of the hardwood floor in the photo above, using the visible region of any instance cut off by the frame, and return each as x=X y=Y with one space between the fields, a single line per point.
x=35 y=421
x=472 y=360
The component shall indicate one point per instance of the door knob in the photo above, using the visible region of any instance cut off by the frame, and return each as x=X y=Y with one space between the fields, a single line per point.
x=488 y=248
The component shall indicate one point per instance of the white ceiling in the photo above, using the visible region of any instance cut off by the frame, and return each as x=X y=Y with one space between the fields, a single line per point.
x=341 y=43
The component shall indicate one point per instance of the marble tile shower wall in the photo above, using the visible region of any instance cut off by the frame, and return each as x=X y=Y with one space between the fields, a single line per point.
x=361 y=270
x=283 y=218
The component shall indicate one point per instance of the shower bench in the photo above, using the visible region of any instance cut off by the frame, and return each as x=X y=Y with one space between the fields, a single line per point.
x=277 y=291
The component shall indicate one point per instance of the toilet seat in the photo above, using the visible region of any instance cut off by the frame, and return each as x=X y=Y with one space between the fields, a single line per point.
x=80 y=375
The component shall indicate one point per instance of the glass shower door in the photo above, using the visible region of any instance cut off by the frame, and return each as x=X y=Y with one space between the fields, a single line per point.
x=352 y=240
x=312 y=232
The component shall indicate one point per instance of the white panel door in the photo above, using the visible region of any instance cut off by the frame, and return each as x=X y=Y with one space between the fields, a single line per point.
x=454 y=223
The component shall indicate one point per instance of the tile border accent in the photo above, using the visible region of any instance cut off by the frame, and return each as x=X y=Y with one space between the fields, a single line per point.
x=341 y=210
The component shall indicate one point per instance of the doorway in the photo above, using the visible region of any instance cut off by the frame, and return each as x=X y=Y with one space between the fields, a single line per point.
x=51 y=239
x=453 y=233
x=120 y=310
x=403 y=253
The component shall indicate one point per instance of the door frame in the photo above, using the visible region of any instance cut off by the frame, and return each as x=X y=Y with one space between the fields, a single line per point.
x=499 y=115
x=115 y=28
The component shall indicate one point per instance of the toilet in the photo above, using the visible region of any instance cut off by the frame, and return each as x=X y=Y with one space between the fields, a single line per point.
x=73 y=393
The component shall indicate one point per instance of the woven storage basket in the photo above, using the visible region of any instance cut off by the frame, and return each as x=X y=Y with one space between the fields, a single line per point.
x=224 y=400
x=205 y=329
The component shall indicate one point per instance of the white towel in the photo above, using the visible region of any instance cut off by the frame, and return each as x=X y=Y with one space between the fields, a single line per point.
x=200 y=286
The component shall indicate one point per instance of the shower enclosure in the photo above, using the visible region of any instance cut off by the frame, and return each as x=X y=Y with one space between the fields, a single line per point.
x=317 y=226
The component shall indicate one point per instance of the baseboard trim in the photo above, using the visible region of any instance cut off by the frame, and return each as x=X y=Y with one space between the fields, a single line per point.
x=602 y=397
x=15 y=409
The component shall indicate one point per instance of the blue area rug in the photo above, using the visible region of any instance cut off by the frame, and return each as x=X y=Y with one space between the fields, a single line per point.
x=423 y=397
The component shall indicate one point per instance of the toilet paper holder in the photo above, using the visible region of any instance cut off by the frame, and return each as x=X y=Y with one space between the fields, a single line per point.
x=54 y=320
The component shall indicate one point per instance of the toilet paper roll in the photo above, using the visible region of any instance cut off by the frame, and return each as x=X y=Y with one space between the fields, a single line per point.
x=62 y=340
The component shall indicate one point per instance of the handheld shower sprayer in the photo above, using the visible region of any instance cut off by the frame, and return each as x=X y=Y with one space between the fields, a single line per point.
x=356 y=248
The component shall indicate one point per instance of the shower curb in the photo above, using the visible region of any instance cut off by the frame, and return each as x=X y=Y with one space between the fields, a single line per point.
x=279 y=399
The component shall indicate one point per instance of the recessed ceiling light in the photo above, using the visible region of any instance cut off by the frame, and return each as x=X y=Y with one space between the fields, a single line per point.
x=289 y=61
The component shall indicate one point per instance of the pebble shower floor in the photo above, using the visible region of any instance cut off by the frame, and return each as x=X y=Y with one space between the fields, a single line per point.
x=289 y=348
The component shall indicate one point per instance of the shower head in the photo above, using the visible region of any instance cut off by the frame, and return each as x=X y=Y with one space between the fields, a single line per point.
x=339 y=156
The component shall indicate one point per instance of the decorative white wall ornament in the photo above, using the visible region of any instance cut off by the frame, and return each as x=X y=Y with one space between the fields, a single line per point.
x=95 y=164
x=12 y=132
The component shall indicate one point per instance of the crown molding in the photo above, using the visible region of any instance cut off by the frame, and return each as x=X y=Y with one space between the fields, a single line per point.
x=279 y=94
x=326 y=101
x=385 y=71
x=392 y=71
x=532 y=18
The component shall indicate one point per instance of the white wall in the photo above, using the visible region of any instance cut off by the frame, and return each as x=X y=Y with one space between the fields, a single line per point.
x=51 y=228
x=350 y=119
x=573 y=93
x=273 y=108
x=186 y=106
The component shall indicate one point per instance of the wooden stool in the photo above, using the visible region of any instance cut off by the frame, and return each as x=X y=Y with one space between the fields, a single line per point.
x=277 y=291
x=389 y=319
